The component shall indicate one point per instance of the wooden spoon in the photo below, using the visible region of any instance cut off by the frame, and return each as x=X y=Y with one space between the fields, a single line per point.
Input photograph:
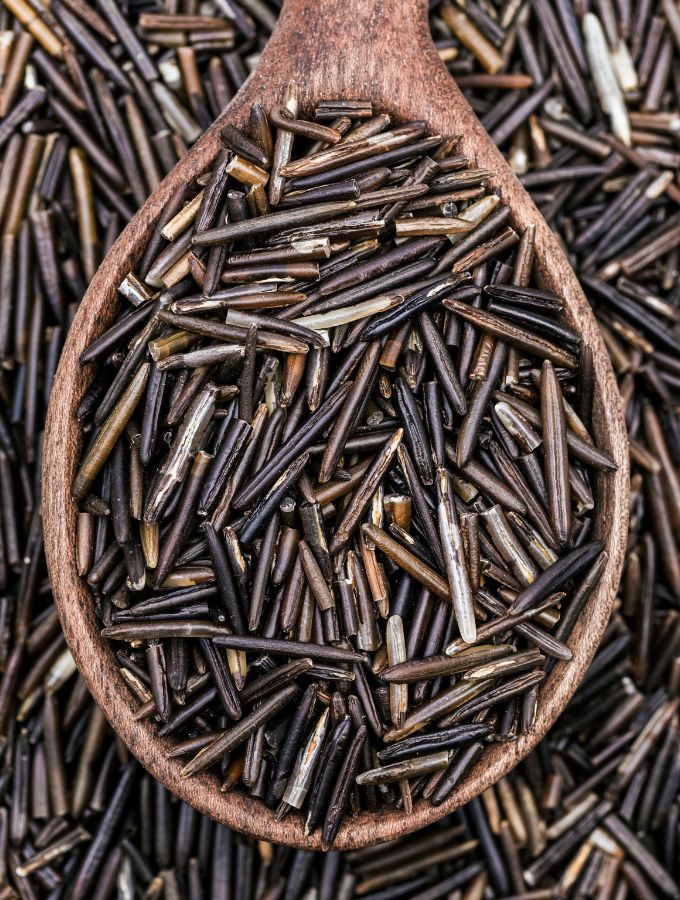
x=334 y=49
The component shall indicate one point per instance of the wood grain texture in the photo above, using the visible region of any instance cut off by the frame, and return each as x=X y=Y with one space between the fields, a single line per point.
x=346 y=49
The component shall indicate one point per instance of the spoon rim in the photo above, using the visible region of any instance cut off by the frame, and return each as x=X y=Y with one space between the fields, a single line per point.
x=94 y=655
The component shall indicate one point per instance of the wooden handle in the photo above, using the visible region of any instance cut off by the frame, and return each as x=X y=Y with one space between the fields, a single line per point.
x=363 y=48
x=337 y=49
x=380 y=50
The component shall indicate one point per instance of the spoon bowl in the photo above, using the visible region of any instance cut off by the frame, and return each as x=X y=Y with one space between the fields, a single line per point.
x=343 y=49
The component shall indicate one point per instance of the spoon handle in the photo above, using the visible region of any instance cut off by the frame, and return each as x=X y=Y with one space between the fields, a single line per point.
x=354 y=36
x=351 y=49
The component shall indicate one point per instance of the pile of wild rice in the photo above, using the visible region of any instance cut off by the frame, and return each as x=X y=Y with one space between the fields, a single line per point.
x=335 y=447
x=596 y=807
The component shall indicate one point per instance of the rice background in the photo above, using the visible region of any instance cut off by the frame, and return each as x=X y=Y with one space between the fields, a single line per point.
x=583 y=100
